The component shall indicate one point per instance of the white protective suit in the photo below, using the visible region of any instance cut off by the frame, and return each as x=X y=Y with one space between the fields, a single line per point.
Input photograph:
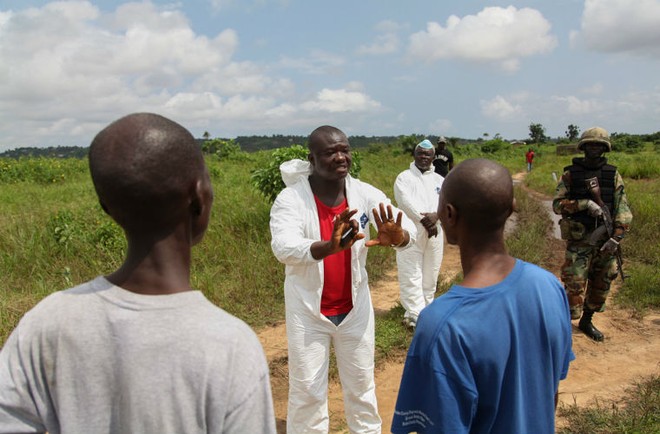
x=294 y=225
x=416 y=193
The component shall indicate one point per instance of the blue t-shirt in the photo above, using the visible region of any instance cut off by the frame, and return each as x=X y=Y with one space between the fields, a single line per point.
x=488 y=360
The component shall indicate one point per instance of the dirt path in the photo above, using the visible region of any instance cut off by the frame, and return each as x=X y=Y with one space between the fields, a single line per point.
x=601 y=370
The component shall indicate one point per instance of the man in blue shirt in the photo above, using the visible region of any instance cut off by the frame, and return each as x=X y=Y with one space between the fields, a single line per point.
x=488 y=355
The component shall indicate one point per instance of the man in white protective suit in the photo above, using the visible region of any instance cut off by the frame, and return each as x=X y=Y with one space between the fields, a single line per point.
x=416 y=191
x=319 y=227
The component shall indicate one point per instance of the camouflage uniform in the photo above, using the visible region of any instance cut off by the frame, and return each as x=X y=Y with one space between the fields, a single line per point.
x=585 y=265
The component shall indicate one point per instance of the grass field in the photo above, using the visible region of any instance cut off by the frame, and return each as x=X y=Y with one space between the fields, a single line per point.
x=53 y=234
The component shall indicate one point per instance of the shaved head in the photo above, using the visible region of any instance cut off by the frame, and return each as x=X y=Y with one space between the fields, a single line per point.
x=319 y=135
x=144 y=168
x=481 y=190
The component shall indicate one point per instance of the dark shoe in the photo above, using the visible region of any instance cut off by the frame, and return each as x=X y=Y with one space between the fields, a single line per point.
x=588 y=328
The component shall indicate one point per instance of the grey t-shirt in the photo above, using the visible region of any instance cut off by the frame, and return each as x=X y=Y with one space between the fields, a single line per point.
x=99 y=359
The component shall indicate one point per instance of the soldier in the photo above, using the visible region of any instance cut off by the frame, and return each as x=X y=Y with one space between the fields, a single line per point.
x=595 y=217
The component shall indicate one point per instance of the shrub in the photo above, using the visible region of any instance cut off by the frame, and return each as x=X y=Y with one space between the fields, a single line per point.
x=41 y=170
x=221 y=148
x=627 y=143
x=495 y=145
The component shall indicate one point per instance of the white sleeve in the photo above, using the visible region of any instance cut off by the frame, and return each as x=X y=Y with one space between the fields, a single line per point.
x=287 y=228
x=402 y=197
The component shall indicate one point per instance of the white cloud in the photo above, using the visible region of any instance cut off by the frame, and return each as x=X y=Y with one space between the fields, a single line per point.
x=576 y=106
x=495 y=35
x=631 y=26
x=386 y=42
x=341 y=101
x=619 y=112
x=501 y=108
x=595 y=89
x=68 y=68
x=440 y=126
x=318 y=62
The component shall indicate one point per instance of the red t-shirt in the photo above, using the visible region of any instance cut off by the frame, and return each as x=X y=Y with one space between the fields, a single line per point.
x=337 y=296
x=530 y=156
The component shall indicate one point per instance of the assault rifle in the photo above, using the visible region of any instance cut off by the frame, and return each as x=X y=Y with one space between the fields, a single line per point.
x=594 y=189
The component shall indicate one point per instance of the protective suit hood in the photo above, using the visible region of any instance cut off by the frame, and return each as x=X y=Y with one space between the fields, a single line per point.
x=294 y=170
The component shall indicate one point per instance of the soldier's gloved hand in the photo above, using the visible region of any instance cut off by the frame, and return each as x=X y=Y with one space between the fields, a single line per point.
x=610 y=246
x=594 y=209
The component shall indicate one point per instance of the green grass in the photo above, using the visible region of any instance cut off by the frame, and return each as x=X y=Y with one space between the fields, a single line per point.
x=532 y=227
x=54 y=235
x=637 y=413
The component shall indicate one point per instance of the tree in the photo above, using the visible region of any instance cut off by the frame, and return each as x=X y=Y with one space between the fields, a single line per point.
x=573 y=132
x=206 y=135
x=537 y=133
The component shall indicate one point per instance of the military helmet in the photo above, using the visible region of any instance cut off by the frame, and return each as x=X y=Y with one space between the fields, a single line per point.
x=596 y=135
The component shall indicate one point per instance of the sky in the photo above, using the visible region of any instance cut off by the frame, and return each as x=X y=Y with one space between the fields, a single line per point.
x=462 y=68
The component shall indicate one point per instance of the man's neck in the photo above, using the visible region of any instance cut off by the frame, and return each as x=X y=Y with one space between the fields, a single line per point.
x=485 y=262
x=330 y=192
x=157 y=268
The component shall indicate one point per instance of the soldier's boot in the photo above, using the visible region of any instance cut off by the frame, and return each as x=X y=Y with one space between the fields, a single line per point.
x=588 y=328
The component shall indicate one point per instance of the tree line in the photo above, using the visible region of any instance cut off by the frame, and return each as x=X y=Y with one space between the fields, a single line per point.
x=537 y=135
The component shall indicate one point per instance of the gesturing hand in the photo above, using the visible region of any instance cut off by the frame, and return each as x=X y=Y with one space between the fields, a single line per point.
x=343 y=223
x=390 y=232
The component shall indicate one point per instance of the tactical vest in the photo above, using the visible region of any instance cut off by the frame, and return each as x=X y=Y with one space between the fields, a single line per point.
x=605 y=173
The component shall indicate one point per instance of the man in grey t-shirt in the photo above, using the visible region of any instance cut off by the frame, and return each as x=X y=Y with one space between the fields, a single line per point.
x=139 y=351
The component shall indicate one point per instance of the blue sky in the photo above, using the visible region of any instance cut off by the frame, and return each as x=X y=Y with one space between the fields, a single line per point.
x=454 y=68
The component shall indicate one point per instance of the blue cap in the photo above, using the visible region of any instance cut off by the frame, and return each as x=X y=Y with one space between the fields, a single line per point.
x=425 y=144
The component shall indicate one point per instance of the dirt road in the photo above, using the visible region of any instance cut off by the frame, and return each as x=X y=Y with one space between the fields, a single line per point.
x=602 y=370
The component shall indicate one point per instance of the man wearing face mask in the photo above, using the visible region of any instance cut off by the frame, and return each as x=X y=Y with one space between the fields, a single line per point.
x=592 y=201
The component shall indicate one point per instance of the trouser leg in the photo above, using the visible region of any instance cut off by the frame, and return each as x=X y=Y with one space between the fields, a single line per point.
x=354 y=348
x=309 y=351
x=431 y=267
x=574 y=275
x=409 y=267
x=602 y=272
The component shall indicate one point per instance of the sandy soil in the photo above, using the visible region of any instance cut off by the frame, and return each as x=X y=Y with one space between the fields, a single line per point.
x=601 y=370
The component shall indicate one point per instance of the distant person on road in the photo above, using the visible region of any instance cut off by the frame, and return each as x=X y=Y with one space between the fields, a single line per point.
x=488 y=355
x=444 y=159
x=592 y=230
x=320 y=230
x=529 y=156
x=416 y=191
x=138 y=350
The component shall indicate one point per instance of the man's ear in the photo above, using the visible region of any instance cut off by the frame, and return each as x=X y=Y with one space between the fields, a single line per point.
x=200 y=206
x=201 y=196
x=452 y=214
